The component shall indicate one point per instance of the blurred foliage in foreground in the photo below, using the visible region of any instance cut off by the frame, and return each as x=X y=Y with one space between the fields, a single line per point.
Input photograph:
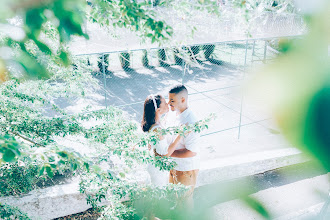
x=296 y=86
x=48 y=26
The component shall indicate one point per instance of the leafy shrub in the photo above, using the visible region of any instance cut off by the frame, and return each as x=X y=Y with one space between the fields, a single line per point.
x=208 y=50
x=193 y=51
x=162 y=57
x=21 y=177
x=145 y=59
x=125 y=60
x=177 y=58
x=9 y=212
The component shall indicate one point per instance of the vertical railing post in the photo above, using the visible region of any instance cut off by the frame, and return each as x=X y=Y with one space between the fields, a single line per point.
x=183 y=71
x=231 y=52
x=104 y=81
x=241 y=110
x=253 y=52
x=265 y=51
x=131 y=60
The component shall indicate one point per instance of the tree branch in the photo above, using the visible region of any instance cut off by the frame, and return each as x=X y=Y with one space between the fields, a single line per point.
x=25 y=138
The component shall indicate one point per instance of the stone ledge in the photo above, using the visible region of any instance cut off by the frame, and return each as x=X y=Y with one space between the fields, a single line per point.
x=302 y=199
x=217 y=170
x=307 y=213
x=62 y=200
x=51 y=202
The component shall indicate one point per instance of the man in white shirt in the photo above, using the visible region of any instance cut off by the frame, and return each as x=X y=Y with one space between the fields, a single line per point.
x=186 y=154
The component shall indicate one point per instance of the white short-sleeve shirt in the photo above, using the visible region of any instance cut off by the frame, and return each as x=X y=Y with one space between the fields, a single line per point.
x=162 y=146
x=190 y=142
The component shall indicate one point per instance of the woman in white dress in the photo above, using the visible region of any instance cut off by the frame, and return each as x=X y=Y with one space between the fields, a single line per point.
x=154 y=107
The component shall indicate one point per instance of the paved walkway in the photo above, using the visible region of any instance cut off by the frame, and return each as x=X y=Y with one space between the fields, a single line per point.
x=213 y=89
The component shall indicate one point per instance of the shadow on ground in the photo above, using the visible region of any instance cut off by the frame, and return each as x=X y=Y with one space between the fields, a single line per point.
x=128 y=89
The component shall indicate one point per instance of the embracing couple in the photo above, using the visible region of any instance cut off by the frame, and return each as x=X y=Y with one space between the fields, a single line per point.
x=183 y=150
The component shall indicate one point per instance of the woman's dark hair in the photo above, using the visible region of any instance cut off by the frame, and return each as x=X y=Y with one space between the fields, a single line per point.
x=149 y=112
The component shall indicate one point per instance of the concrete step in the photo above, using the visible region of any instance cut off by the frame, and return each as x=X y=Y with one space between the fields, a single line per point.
x=216 y=170
x=299 y=200
x=63 y=200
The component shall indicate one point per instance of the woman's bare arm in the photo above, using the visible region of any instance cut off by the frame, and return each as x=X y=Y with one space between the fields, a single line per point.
x=173 y=146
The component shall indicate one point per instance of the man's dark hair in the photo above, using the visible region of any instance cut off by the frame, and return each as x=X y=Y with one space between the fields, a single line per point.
x=177 y=89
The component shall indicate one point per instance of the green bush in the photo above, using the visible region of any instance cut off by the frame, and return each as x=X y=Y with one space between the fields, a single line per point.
x=145 y=59
x=125 y=60
x=162 y=57
x=177 y=58
x=208 y=50
x=193 y=51
x=20 y=177
x=9 y=212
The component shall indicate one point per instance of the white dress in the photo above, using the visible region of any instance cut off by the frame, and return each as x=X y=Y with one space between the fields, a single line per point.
x=158 y=177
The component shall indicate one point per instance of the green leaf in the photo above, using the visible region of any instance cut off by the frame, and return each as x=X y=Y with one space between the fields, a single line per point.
x=49 y=171
x=42 y=170
x=31 y=66
x=34 y=20
x=86 y=166
x=75 y=166
x=15 y=148
x=65 y=58
x=43 y=47
x=257 y=206
x=122 y=175
x=160 y=24
x=96 y=169
x=9 y=156
x=62 y=154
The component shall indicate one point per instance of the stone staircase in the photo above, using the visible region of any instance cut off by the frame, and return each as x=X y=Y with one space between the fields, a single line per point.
x=63 y=200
